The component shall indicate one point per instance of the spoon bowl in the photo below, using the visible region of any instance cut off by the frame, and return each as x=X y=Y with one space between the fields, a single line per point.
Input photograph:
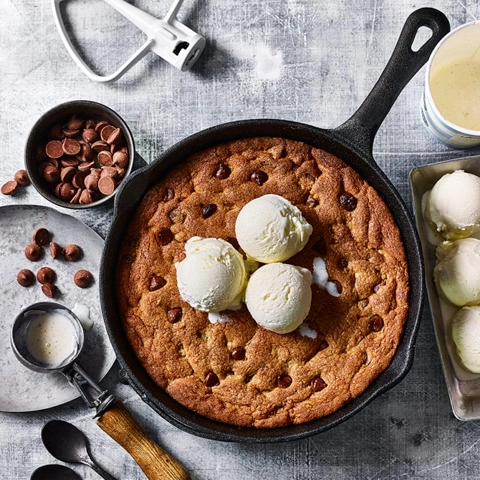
x=54 y=472
x=67 y=443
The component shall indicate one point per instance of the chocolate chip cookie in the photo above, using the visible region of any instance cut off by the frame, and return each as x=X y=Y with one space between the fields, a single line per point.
x=234 y=371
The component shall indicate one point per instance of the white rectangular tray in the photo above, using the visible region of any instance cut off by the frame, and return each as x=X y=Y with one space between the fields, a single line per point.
x=463 y=386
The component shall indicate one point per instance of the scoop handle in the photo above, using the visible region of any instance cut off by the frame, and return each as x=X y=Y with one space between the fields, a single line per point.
x=119 y=424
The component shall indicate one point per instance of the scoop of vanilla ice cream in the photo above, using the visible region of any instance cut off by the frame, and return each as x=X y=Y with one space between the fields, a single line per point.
x=457 y=273
x=466 y=337
x=212 y=277
x=270 y=229
x=453 y=205
x=278 y=296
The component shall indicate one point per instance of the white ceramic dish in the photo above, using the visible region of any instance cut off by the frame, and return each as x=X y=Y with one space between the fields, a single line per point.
x=23 y=390
x=463 y=386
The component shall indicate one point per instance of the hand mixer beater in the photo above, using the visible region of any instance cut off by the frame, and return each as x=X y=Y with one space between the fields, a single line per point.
x=166 y=37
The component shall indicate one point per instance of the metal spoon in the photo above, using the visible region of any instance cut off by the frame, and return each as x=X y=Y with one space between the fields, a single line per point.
x=54 y=472
x=67 y=443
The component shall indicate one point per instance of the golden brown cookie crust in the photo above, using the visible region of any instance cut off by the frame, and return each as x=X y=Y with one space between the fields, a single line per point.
x=235 y=371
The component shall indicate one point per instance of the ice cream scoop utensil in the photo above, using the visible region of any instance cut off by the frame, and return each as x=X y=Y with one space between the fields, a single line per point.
x=112 y=416
x=167 y=37
x=54 y=472
x=67 y=443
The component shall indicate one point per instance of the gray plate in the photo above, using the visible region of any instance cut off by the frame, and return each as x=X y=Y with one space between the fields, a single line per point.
x=21 y=389
x=463 y=386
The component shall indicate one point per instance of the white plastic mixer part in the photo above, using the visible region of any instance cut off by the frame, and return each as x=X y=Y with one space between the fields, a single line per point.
x=167 y=37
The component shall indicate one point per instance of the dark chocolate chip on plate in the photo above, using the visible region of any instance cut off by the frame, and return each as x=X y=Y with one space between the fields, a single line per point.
x=33 y=252
x=25 y=277
x=83 y=278
x=46 y=275
x=41 y=237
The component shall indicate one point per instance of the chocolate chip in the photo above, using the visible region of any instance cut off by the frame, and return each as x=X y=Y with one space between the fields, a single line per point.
x=259 y=177
x=342 y=263
x=55 y=250
x=78 y=180
x=165 y=236
x=41 y=236
x=86 y=167
x=211 y=379
x=320 y=246
x=100 y=125
x=67 y=174
x=120 y=159
x=223 y=171
x=106 y=185
x=56 y=132
x=348 y=202
x=174 y=315
x=83 y=278
x=54 y=149
x=364 y=302
x=106 y=131
x=238 y=353
x=338 y=286
x=105 y=158
x=115 y=137
x=72 y=253
x=65 y=191
x=209 y=210
x=377 y=287
x=323 y=345
x=71 y=146
x=76 y=196
x=168 y=195
x=91 y=182
x=156 y=282
x=89 y=135
x=107 y=171
x=75 y=122
x=284 y=381
x=318 y=384
x=33 y=252
x=71 y=132
x=51 y=173
x=311 y=201
x=99 y=146
x=22 y=178
x=375 y=323
x=46 y=275
x=233 y=242
x=25 y=277
x=85 y=197
x=49 y=290
x=10 y=187
x=69 y=162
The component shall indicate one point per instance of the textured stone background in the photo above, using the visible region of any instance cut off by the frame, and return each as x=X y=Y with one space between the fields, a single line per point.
x=312 y=61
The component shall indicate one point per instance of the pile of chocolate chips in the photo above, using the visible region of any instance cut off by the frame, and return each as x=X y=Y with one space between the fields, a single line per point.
x=46 y=276
x=83 y=161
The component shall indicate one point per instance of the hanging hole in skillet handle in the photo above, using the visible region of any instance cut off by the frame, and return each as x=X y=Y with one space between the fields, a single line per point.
x=423 y=35
x=406 y=60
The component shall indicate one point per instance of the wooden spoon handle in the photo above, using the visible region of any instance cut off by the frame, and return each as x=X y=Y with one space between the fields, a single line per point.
x=157 y=464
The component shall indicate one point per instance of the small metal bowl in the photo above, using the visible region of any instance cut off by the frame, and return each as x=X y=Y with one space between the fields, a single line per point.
x=25 y=330
x=53 y=125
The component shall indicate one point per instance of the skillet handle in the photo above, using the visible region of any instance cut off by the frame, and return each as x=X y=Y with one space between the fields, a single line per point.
x=360 y=129
x=119 y=424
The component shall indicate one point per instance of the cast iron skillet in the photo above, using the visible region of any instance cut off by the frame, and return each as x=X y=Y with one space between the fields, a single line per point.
x=352 y=142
